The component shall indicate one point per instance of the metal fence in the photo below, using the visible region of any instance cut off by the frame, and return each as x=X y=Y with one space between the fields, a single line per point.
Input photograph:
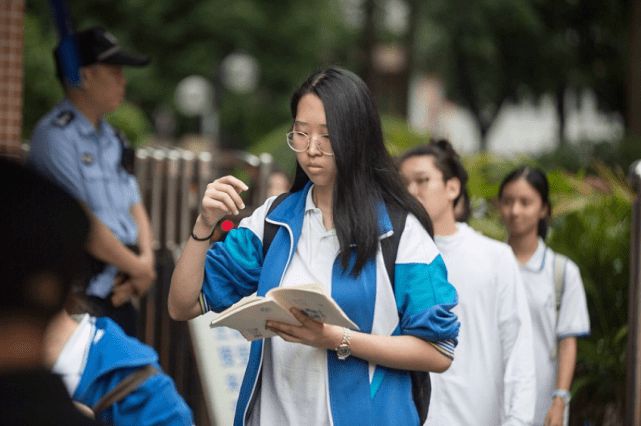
x=172 y=183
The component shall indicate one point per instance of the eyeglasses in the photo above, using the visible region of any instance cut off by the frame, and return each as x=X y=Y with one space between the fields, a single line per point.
x=300 y=142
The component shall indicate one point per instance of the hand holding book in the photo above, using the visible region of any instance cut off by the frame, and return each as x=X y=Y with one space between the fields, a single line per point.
x=249 y=316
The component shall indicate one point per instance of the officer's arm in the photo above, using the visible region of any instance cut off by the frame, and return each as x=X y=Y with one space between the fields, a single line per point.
x=145 y=234
x=145 y=243
x=104 y=245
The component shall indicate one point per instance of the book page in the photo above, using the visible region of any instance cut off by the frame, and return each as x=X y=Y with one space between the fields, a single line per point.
x=311 y=299
x=249 y=319
x=245 y=301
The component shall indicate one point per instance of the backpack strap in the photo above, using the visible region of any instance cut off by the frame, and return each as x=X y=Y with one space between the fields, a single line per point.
x=389 y=245
x=421 y=383
x=558 y=269
x=269 y=229
x=124 y=388
x=560 y=263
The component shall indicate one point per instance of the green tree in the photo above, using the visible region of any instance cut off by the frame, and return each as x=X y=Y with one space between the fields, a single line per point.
x=482 y=50
x=491 y=52
x=288 y=38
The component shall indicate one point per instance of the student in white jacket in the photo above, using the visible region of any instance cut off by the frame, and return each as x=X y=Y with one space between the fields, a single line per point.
x=491 y=381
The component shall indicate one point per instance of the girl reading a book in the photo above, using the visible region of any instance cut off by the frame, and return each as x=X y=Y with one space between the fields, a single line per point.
x=330 y=230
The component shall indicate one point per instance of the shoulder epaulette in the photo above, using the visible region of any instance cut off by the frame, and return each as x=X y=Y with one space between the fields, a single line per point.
x=63 y=118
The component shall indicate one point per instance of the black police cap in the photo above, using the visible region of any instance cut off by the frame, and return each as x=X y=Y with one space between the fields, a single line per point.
x=98 y=46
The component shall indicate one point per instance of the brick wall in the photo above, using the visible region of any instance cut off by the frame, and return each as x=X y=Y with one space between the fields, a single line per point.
x=11 y=44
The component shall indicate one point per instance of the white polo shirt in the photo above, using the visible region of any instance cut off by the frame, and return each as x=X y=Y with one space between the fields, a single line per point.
x=73 y=357
x=572 y=321
x=491 y=380
x=294 y=375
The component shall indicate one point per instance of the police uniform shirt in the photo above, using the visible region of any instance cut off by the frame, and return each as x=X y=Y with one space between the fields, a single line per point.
x=86 y=161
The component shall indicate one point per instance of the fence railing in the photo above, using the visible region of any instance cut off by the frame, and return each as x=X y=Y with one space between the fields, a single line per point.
x=172 y=183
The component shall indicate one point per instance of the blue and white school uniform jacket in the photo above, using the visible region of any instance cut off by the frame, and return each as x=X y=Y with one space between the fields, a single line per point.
x=113 y=356
x=419 y=305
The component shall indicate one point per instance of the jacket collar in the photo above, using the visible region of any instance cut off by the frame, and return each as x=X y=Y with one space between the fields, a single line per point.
x=297 y=202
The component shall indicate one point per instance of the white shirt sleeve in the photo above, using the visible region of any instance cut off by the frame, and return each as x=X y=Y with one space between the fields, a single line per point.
x=515 y=327
x=573 y=314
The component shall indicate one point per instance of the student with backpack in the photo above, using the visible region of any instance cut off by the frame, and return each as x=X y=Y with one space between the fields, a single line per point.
x=115 y=375
x=491 y=381
x=556 y=297
x=330 y=229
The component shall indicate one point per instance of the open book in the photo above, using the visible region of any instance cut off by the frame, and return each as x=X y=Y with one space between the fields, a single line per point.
x=250 y=314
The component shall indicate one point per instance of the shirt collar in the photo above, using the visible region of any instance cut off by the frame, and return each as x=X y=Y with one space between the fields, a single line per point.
x=83 y=123
x=309 y=201
x=448 y=240
x=537 y=261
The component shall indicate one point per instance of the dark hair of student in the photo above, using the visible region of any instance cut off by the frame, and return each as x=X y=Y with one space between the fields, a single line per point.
x=447 y=160
x=537 y=180
x=365 y=172
x=44 y=232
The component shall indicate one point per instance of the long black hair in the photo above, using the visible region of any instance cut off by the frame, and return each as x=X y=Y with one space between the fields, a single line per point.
x=447 y=160
x=365 y=172
x=537 y=180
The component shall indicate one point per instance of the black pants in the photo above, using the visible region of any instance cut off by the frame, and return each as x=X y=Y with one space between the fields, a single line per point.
x=125 y=315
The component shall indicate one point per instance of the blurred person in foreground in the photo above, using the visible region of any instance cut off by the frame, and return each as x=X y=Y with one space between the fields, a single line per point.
x=554 y=289
x=491 y=381
x=44 y=232
x=114 y=375
x=77 y=148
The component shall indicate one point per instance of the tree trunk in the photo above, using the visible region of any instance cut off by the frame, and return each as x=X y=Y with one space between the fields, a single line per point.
x=560 y=114
x=633 y=88
x=483 y=131
x=408 y=44
x=368 y=42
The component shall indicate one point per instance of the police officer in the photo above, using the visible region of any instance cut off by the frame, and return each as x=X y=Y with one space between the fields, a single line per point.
x=77 y=148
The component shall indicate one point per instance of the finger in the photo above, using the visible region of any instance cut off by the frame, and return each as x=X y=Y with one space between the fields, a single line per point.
x=238 y=184
x=293 y=330
x=119 y=279
x=215 y=207
x=305 y=319
x=225 y=196
x=231 y=192
x=300 y=315
x=116 y=300
x=286 y=337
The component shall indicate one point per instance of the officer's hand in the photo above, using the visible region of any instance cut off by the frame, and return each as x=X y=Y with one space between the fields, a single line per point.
x=148 y=259
x=143 y=277
x=122 y=293
x=222 y=198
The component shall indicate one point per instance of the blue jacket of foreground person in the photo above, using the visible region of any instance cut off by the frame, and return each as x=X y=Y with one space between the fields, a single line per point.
x=419 y=304
x=112 y=357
